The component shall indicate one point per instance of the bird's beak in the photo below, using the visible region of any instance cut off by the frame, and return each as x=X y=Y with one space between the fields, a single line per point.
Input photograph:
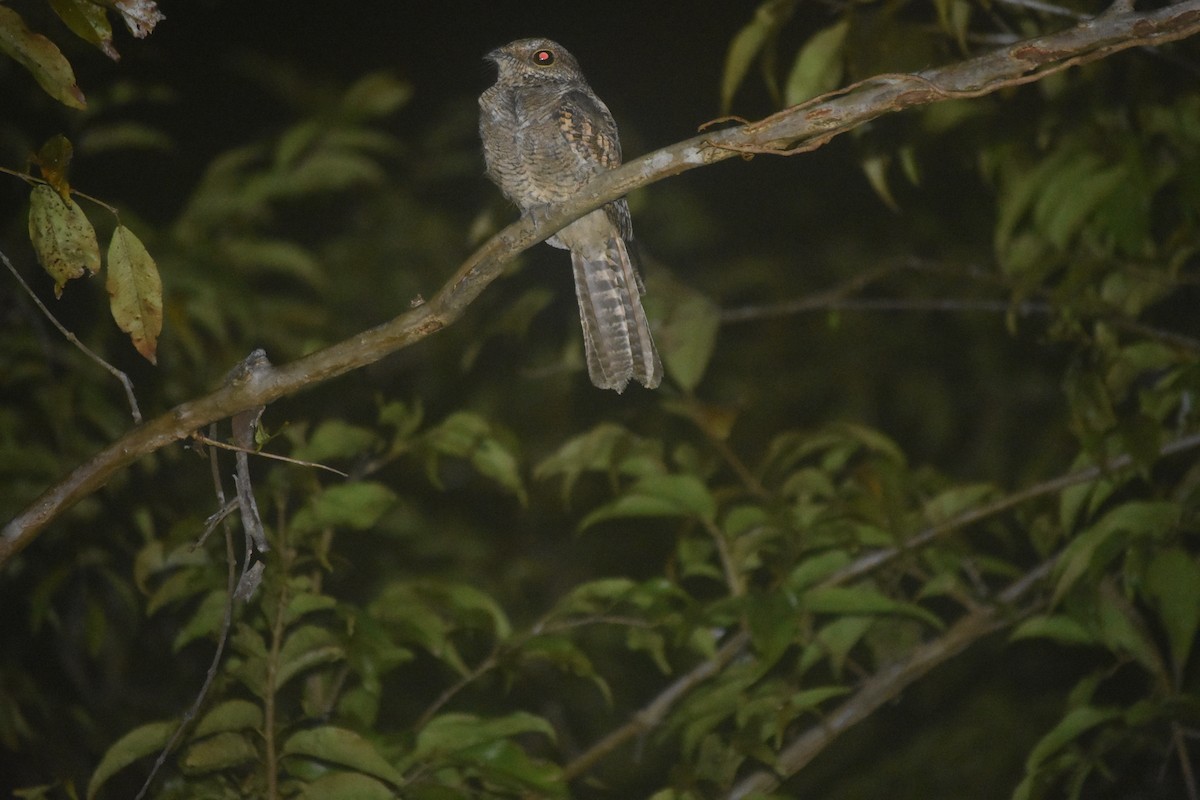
x=497 y=56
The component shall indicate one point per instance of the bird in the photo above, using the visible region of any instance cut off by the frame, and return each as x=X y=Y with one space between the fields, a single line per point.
x=545 y=134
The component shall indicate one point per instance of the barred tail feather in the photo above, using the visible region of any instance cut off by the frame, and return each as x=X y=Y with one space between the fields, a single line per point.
x=647 y=367
x=616 y=333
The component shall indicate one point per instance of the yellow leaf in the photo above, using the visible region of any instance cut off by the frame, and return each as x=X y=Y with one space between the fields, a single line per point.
x=135 y=291
x=62 y=237
x=53 y=159
x=39 y=55
x=89 y=22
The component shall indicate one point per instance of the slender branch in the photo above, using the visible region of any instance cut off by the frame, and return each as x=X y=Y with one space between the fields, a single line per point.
x=806 y=127
x=73 y=339
x=886 y=684
x=1185 y=761
x=222 y=635
x=653 y=712
x=733 y=578
x=878 y=558
x=250 y=451
x=270 y=743
x=490 y=662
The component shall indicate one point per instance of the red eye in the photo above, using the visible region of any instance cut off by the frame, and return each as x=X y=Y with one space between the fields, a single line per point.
x=543 y=58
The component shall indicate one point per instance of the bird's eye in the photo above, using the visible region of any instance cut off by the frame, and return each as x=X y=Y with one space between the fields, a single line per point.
x=543 y=58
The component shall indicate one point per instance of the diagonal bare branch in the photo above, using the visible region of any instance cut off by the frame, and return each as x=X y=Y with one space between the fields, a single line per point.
x=885 y=685
x=797 y=129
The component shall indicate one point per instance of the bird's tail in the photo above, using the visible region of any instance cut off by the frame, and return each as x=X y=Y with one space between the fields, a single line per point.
x=616 y=333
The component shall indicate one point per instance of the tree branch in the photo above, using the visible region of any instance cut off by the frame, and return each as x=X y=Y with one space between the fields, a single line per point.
x=796 y=129
x=889 y=682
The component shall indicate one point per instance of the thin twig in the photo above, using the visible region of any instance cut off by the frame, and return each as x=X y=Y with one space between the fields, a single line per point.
x=222 y=635
x=733 y=578
x=1185 y=761
x=200 y=437
x=653 y=712
x=1045 y=8
x=490 y=662
x=73 y=339
x=269 y=707
x=873 y=561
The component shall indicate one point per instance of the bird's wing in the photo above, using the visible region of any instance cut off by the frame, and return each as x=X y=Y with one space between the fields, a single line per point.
x=591 y=134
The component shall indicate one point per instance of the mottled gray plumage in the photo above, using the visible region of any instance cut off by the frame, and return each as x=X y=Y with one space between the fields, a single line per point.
x=545 y=134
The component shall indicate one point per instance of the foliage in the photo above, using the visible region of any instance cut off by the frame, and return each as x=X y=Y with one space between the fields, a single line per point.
x=484 y=579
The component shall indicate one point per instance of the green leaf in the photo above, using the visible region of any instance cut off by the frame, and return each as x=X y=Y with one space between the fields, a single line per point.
x=811 y=570
x=89 y=22
x=1079 y=502
x=344 y=747
x=335 y=438
x=1070 y=196
x=595 y=597
x=469 y=604
x=274 y=258
x=142 y=741
x=607 y=448
x=107 y=137
x=448 y=734
x=508 y=767
x=135 y=291
x=398 y=607
x=41 y=57
x=349 y=505
x=773 y=623
x=304 y=603
x=954 y=16
x=206 y=620
x=403 y=417
x=659 y=496
x=1173 y=585
x=875 y=167
x=710 y=705
x=323 y=171
x=1059 y=628
x=1093 y=548
x=862 y=601
x=347 y=786
x=231 y=715
x=807 y=699
x=953 y=502
x=62 y=235
x=467 y=435
x=304 y=648
x=835 y=641
x=749 y=42
x=819 y=66
x=1123 y=630
x=1078 y=722
x=650 y=642
x=688 y=335
x=219 y=752
x=564 y=654
x=376 y=94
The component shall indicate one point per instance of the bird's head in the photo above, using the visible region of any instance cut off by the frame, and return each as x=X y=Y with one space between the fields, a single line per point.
x=534 y=61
